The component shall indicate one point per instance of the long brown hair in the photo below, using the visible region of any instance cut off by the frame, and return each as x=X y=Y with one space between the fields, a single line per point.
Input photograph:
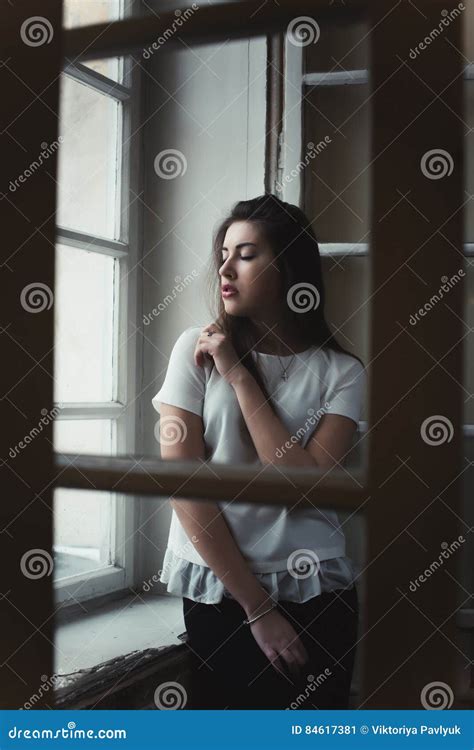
x=296 y=250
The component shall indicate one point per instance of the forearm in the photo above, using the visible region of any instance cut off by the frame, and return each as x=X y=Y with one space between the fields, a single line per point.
x=267 y=431
x=207 y=529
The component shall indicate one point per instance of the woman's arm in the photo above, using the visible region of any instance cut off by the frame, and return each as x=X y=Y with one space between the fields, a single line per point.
x=204 y=522
x=328 y=446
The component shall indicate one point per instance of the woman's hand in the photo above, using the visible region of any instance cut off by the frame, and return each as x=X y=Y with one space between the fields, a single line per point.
x=280 y=643
x=220 y=349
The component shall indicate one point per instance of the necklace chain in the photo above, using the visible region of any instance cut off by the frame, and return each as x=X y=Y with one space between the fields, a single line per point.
x=285 y=369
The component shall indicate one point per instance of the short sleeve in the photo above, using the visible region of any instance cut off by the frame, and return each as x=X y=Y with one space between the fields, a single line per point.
x=346 y=389
x=185 y=383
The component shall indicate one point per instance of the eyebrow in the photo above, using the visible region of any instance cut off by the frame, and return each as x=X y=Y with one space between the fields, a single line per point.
x=241 y=244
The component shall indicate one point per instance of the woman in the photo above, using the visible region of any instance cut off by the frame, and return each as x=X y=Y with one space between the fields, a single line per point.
x=269 y=600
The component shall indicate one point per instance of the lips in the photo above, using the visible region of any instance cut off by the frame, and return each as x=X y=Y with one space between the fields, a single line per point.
x=228 y=288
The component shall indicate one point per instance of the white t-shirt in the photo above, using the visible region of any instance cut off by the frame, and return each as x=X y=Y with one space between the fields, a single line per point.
x=319 y=381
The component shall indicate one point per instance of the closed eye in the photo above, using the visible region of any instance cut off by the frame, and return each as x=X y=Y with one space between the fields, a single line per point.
x=247 y=257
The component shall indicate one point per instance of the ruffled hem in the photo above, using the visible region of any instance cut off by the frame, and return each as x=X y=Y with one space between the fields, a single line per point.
x=200 y=583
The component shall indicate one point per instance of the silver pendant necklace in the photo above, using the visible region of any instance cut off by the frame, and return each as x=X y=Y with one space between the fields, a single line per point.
x=285 y=369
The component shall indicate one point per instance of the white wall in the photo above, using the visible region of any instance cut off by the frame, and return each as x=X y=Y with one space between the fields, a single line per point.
x=208 y=103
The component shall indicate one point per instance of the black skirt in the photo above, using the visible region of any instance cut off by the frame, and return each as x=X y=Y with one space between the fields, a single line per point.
x=230 y=671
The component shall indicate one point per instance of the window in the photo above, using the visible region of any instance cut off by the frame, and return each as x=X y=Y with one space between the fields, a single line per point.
x=96 y=250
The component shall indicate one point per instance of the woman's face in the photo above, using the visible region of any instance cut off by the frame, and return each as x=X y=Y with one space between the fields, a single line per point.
x=248 y=266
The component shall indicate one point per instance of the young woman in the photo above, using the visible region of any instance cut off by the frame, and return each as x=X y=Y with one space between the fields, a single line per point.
x=269 y=600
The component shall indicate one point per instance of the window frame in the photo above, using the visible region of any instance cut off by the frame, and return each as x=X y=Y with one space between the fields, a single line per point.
x=126 y=250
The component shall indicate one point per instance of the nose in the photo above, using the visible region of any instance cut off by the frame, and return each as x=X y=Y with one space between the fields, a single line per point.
x=226 y=269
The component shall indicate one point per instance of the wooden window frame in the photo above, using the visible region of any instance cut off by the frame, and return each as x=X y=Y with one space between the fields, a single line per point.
x=395 y=453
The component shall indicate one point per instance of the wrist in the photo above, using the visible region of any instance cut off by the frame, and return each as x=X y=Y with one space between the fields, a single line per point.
x=238 y=375
x=258 y=604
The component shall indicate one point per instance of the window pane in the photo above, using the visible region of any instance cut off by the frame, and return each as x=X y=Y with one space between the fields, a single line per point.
x=468 y=267
x=84 y=333
x=336 y=136
x=87 y=165
x=83 y=520
x=88 y=12
x=111 y=67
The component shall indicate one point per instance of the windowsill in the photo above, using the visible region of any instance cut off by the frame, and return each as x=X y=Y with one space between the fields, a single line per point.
x=117 y=628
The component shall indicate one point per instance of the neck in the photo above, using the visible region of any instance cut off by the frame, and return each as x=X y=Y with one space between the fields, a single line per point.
x=280 y=339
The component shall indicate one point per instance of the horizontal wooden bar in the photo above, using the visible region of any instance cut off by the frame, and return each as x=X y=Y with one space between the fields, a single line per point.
x=259 y=484
x=84 y=241
x=206 y=24
x=97 y=81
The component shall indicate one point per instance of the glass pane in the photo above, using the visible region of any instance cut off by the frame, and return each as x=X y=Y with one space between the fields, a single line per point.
x=83 y=520
x=469 y=163
x=87 y=167
x=468 y=341
x=336 y=133
x=88 y=12
x=337 y=190
x=111 y=67
x=84 y=315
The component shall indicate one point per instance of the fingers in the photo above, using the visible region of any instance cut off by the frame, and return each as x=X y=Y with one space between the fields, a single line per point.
x=277 y=663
